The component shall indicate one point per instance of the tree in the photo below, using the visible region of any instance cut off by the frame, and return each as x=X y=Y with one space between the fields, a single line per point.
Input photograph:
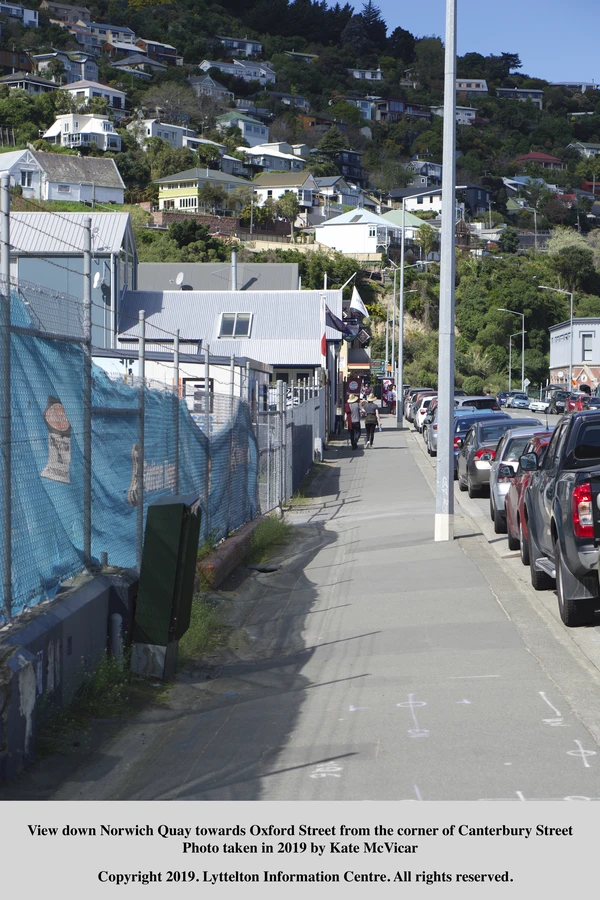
x=575 y=265
x=213 y=196
x=355 y=35
x=401 y=45
x=473 y=385
x=565 y=237
x=509 y=240
x=56 y=70
x=375 y=27
x=177 y=104
x=426 y=240
x=288 y=208
x=333 y=141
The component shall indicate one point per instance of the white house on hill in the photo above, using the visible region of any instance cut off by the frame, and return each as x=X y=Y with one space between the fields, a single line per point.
x=358 y=232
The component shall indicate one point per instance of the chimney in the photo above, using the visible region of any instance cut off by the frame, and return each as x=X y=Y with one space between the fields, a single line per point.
x=234 y=281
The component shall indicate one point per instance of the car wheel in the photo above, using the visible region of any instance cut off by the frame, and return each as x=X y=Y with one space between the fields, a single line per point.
x=523 y=546
x=499 y=523
x=540 y=581
x=461 y=485
x=513 y=542
x=573 y=612
x=473 y=491
x=492 y=510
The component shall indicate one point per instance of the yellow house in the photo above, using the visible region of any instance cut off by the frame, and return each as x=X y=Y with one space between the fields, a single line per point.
x=181 y=191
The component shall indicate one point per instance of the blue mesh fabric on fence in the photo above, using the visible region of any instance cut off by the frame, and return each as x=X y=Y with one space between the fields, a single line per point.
x=47 y=462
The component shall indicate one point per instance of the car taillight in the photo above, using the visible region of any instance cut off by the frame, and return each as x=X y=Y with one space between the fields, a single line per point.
x=496 y=408
x=485 y=454
x=457 y=441
x=581 y=509
x=435 y=429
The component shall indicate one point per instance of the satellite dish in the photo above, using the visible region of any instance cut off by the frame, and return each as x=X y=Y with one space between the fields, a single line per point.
x=179 y=279
x=96 y=280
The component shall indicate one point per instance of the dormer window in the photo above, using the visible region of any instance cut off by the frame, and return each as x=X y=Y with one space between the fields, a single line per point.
x=235 y=325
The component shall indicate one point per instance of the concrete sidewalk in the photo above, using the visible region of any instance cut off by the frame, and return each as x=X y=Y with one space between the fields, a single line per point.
x=375 y=664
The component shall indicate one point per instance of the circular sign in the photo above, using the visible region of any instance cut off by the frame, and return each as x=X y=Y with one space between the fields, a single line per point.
x=583 y=377
x=353 y=384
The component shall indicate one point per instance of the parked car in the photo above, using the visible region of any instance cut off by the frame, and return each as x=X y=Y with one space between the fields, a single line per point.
x=479 y=401
x=516 y=522
x=421 y=412
x=563 y=521
x=509 y=396
x=464 y=421
x=412 y=396
x=557 y=402
x=519 y=401
x=593 y=403
x=539 y=405
x=430 y=428
x=412 y=410
x=503 y=470
x=477 y=450
x=577 y=401
x=501 y=397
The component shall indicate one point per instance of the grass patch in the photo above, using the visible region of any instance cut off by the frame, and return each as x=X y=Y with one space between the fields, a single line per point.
x=108 y=693
x=304 y=491
x=269 y=533
x=207 y=630
x=207 y=547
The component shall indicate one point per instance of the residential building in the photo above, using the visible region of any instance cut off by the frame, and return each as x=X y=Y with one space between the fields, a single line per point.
x=218 y=276
x=123 y=49
x=350 y=166
x=88 y=42
x=363 y=104
x=174 y=135
x=292 y=100
x=252 y=130
x=12 y=61
x=244 y=69
x=583 y=352
x=471 y=87
x=106 y=33
x=193 y=142
x=84 y=91
x=31 y=84
x=393 y=109
x=57 y=176
x=474 y=198
x=578 y=87
x=301 y=57
x=78 y=66
x=140 y=66
x=427 y=173
x=465 y=115
x=412 y=223
x=367 y=74
x=272 y=186
x=319 y=123
x=524 y=94
x=67 y=13
x=334 y=191
x=231 y=165
x=180 y=191
x=28 y=18
x=274 y=157
x=162 y=53
x=585 y=149
x=81 y=130
x=207 y=86
x=240 y=45
x=47 y=248
x=358 y=232
x=541 y=159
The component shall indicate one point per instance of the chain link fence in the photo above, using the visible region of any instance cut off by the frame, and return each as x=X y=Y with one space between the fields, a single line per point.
x=84 y=452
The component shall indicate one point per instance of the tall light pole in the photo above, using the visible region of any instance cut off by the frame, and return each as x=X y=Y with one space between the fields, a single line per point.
x=444 y=482
x=544 y=287
x=522 y=315
x=510 y=358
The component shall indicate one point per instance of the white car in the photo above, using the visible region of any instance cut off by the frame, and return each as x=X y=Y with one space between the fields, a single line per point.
x=539 y=405
x=422 y=412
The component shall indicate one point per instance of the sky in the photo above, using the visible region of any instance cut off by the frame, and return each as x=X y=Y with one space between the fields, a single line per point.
x=554 y=41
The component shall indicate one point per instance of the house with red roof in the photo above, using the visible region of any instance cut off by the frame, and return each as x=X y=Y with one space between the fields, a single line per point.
x=542 y=159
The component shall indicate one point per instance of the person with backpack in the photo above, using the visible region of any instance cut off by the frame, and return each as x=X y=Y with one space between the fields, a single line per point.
x=353 y=416
x=371 y=411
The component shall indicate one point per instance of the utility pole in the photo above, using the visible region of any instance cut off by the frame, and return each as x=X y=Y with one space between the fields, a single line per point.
x=87 y=392
x=444 y=494
x=5 y=413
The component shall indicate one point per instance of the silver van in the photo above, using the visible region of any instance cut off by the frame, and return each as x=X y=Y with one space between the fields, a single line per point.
x=479 y=401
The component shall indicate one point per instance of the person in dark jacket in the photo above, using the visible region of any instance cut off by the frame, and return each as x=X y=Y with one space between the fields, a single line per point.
x=371 y=411
x=353 y=419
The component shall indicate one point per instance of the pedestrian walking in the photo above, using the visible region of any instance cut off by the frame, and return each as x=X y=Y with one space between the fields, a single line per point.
x=353 y=419
x=371 y=419
x=339 y=417
x=392 y=400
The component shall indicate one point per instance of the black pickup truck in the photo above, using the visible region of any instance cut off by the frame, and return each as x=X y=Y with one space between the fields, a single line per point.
x=563 y=516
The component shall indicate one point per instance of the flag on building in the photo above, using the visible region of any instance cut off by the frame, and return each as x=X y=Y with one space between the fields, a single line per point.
x=357 y=304
x=333 y=322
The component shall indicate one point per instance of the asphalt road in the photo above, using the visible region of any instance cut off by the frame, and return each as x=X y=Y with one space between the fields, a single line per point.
x=375 y=664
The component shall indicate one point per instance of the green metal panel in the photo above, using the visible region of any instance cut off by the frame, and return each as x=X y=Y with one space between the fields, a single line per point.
x=168 y=570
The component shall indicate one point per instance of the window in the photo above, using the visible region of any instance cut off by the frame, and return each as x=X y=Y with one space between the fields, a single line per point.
x=186 y=202
x=586 y=348
x=372 y=231
x=64 y=188
x=235 y=325
x=66 y=126
x=26 y=179
x=420 y=201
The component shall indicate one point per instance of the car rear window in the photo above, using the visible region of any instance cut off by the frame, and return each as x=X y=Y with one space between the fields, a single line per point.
x=484 y=403
x=494 y=432
x=588 y=442
x=515 y=448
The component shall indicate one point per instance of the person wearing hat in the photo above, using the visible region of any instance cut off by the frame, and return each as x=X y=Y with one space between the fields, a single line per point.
x=371 y=419
x=353 y=419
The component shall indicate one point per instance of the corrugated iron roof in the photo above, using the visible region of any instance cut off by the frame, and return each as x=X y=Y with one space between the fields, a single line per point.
x=217 y=276
x=286 y=326
x=51 y=233
x=97 y=170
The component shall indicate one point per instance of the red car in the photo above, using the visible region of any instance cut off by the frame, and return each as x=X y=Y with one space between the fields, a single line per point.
x=576 y=402
x=513 y=504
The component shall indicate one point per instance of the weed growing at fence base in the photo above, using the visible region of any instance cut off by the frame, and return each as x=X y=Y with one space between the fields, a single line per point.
x=108 y=693
x=207 y=630
x=304 y=492
x=272 y=531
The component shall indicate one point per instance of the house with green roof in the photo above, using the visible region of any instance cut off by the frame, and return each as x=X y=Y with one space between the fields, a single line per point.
x=181 y=191
x=253 y=130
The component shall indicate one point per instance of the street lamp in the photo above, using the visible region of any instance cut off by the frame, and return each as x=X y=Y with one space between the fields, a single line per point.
x=514 y=313
x=544 y=287
x=510 y=358
x=402 y=267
